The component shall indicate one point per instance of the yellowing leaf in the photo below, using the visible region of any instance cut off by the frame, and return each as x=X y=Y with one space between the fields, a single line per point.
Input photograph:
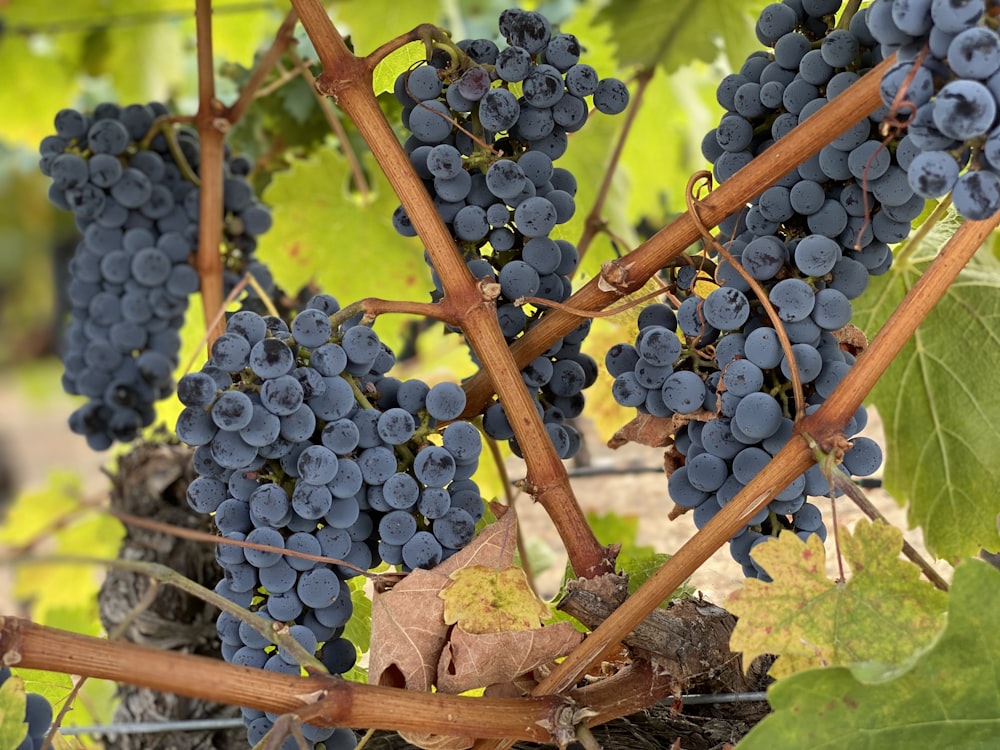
x=488 y=600
x=947 y=697
x=13 y=730
x=326 y=234
x=882 y=613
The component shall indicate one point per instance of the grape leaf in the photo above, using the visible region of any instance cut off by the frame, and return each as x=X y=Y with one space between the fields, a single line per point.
x=483 y=599
x=648 y=33
x=939 y=406
x=13 y=728
x=947 y=696
x=408 y=627
x=326 y=234
x=472 y=660
x=882 y=613
x=388 y=69
x=55 y=513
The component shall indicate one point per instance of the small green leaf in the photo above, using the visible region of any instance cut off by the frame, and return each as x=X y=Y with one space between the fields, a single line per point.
x=648 y=33
x=884 y=612
x=947 y=697
x=939 y=406
x=389 y=68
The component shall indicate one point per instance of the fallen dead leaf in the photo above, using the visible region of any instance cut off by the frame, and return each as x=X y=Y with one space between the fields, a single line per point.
x=472 y=660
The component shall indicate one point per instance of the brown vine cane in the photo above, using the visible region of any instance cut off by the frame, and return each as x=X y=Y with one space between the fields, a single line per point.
x=348 y=79
x=832 y=120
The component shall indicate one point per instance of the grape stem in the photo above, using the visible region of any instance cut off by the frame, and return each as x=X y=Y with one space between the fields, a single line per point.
x=595 y=222
x=758 y=290
x=284 y=40
x=204 y=537
x=325 y=701
x=336 y=126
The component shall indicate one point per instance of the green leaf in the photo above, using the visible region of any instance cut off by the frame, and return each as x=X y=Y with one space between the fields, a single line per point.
x=358 y=629
x=326 y=234
x=883 y=613
x=385 y=73
x=13 y=728
x=939 y=406
x=947 y=697
x=648 y=33
x=55 y=517
x=371 y=23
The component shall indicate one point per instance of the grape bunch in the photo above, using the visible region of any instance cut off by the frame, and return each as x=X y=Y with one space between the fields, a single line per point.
x=945 y=87
x=714 y=364
x=128 y=180
x=303 y=442
x=37 y=715
x=486 y=155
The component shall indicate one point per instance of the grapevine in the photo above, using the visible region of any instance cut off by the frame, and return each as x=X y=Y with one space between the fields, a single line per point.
x=324 y=460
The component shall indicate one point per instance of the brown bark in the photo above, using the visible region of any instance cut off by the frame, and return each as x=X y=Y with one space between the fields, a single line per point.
x=151 y=482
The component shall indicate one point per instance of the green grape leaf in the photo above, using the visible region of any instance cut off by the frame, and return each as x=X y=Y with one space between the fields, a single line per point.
x=648 y=33
x=385 y=73
x=358 y=629
x=939 y=407
x=948 y=696
x=326 y=234
x=371 y=23
x=882 y=613
x=55 y=513
x=13 y=728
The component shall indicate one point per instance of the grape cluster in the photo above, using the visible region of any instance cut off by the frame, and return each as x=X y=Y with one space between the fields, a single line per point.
x=945 y=87
x=128 y=181
x=486 y=155
x=37 y=715
x=811 y=243
x=303 y=442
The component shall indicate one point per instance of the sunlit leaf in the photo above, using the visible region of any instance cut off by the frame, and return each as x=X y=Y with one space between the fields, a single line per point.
x=883 y=612
x=948 y=696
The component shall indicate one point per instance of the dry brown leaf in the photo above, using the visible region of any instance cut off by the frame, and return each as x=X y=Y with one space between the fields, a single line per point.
x=475 y=660
x=494 y=547
x=437 y=741
x=408 y=627
x=657 y=432
x=644 y=429
x=408 y=632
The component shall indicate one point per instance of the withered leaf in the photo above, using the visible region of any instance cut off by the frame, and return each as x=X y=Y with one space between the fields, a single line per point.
x=408 y=632
x=471 y=660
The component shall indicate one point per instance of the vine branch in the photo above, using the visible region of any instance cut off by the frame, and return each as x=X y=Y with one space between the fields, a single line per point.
x=348 y=79
x=212 y=125
x=630 y=273
x=329 y=701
